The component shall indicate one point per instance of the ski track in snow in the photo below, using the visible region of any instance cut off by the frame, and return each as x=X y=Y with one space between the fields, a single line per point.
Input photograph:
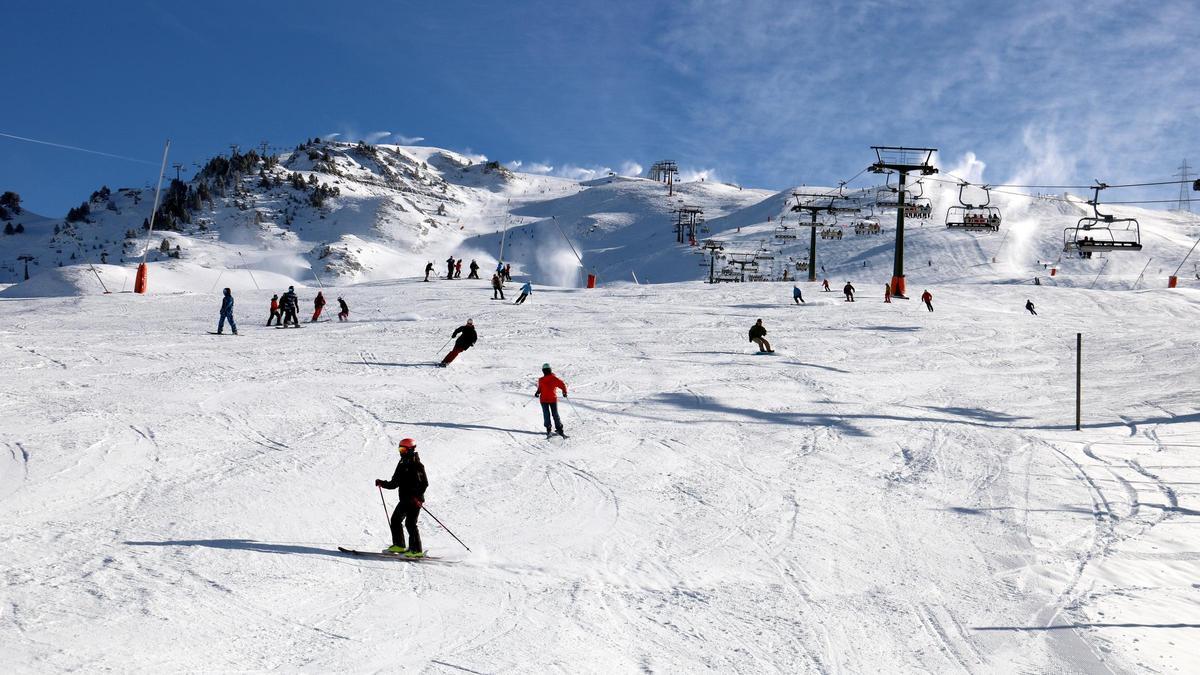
x=893 y=490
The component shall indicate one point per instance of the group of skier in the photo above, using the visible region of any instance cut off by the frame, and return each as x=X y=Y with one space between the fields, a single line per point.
x=284 y=311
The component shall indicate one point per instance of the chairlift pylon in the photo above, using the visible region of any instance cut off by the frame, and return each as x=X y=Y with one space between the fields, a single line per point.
x=973 y=217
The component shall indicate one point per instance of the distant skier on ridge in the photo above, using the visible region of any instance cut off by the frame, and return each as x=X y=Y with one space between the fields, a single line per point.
x=410 y=482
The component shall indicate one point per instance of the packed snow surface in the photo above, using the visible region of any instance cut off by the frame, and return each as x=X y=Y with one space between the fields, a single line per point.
x=893 y=490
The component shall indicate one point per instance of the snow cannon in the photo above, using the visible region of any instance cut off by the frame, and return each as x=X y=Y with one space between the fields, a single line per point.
x=139 y=282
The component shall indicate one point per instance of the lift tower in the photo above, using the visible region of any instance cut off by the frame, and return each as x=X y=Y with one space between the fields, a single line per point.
x=901 y=160
x=813 y=209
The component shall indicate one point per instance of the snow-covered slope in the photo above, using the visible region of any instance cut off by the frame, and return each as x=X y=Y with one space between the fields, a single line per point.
x=894 y=491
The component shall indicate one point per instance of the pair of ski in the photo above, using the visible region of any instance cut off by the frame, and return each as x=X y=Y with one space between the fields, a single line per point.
x=380 y=555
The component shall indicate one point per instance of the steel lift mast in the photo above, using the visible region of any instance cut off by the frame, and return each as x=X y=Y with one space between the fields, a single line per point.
x=902 y=160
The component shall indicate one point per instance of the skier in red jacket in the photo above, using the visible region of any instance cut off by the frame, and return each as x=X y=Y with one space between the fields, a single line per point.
x=546 y=386
x=318 y=305
x=927 y=298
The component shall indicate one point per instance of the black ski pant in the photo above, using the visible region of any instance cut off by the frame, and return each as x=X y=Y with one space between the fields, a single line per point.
x=549 y=409
x=290 y=316
x=405 y=518
x=929 y=305
x=496 y=290
x=521 y=299
x=473 y=275
x=275 y=317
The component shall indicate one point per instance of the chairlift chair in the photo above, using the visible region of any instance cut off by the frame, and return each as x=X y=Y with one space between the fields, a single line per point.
x=973 y=217
x=1096 y=233
x=785 y=232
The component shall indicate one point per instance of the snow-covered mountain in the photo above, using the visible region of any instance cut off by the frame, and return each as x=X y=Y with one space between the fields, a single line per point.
x=340 y=213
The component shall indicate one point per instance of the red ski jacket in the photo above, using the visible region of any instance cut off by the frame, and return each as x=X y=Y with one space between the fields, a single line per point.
x=546 y=386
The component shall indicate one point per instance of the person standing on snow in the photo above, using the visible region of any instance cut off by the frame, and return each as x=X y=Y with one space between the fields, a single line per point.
x=410 y=482
x=758 y=335
x=526 y=291
x=508 y=271
x=318 y=305
x=848 y=289
x=428 y=270
x=825 y=283
x=345 y=313
x=887 y=293
x=226 y=313
x=275 y=315
x=927 y=298
x=450 y=267
x=797 y=296
x=1029 y=307
x=497 y=287
x=474 y=270
x=458 y=269
x=466 y=339
x=290 y=305
x=546 y=386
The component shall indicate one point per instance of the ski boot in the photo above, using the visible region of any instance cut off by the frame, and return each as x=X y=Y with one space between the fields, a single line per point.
x=414 y=554
x=397 y=550
x=548 y=434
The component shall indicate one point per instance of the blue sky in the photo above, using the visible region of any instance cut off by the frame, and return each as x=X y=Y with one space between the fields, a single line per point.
x=761 y=93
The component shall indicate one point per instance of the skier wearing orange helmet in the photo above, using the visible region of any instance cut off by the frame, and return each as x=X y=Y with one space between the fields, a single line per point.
x=409 y=482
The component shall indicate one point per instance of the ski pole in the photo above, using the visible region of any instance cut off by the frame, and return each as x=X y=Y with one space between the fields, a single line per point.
x=385 y=513
x=435 y=518
x=439 y=351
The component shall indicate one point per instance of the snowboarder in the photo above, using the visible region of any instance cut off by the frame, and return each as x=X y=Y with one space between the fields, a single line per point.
x=458 y=269
x=1029 y=307
x=887 y=293
x=450 y=267
x=797 y=296
x=275 y=315
x=825 y=283
x=546 y=386
x=474 y=270
x=927 y=298
x=428 y=270
x=466 y=339
x=345 y=313
x=526 y=291
x=290 y=305
x=410 y=482
x=227 y=313
x=497 y=287
x=758 y=335
x=848 y=289
x=318 y=305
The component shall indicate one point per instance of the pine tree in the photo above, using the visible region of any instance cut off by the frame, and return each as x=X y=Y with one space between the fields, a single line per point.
x=20 y=229
x=8 y=228
x=165 y=246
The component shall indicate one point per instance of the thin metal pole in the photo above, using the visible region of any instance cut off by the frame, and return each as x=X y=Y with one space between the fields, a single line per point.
x=157 y=191
x=435 y=518
x=1079 y=376
x=1143 y=273
x=386 y=517
x=250 y=271
x=1189 y=254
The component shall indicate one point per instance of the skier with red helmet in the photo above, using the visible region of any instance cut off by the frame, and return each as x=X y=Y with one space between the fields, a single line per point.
x=409 y=482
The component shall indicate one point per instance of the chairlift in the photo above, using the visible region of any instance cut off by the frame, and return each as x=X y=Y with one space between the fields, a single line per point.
x=785 y=232
x=919 y=207
x=1096 y=233
x=973 y=217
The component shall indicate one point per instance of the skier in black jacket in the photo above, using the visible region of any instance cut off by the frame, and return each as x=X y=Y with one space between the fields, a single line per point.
x=290 y=305
x=409 y=482
x=758 y=335
x=466 y=339
x=428 y=270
